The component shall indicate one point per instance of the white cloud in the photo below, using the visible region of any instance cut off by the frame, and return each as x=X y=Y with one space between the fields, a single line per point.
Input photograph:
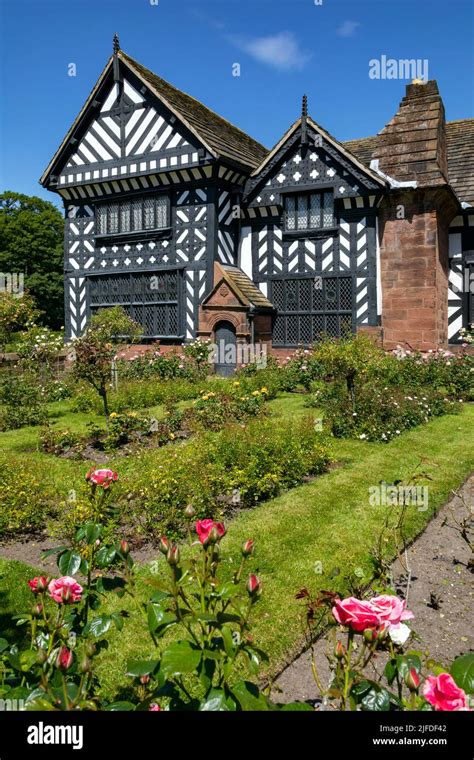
x=282 y=50
x=347 y=28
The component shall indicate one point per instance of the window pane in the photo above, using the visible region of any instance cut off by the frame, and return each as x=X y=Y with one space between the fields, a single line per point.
x=125 y=217
x=328 y=218
x=315 y=210
x=161 y=211
x=148 y=214
x=113 y=217
x=290 y=213
x=102 y=220
x=137 y=215
x=302 y=212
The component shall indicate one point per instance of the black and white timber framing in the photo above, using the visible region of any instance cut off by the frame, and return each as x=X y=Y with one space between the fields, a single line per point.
x=227 y=199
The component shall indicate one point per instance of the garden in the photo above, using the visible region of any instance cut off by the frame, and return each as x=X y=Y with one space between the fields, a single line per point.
x=171 y=540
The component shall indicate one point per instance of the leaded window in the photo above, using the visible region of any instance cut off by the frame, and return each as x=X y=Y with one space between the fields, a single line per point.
x=309 y=211
x=151 y=298
x=136 y=215
x=309 y=307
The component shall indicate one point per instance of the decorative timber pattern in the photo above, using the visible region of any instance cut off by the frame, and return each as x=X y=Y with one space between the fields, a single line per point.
x=461 y=275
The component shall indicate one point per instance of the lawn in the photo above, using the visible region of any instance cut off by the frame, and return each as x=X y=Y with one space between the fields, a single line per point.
x=325 y=523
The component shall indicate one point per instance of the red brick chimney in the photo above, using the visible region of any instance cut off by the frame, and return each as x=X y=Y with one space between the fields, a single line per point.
x=414 y=221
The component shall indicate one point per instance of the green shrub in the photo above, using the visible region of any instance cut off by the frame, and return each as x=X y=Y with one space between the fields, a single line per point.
x=378 y=413
x=22 y=400
x=217 y=472
x=27 y=499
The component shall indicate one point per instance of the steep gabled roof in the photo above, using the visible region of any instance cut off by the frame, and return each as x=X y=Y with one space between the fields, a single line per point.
x=223 y=138
x=341 y=147
x=460 y=152
x=219 y=136
x=240 y=284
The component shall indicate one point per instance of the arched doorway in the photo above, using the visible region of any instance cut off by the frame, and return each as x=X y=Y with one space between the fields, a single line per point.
x=226 y=343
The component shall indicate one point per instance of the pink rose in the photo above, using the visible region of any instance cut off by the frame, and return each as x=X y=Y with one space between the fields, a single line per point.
x=38 y=584
x=356 y=613
x=253 y=584
x=154 y=707
x=65 y=590
x=443 y=694
x=64 y=659
x=204 y=528
x=390 y=609
x=102 y=477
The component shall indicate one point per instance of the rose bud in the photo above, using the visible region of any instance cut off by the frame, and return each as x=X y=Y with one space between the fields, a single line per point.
x=154 y=707
x=370 y=635
x=64 y=659
x=36 y=610
x=38 y=584
x=253 y=585
x=248 y=547
x=214 y=535
x=41 y=656
x=339 y=650
x=163 y=545
x=66 y=594
x=124 y=547
x=189 y=512
x=412 y=680
x=84 y=665
x=173 y=555
x=144 y=679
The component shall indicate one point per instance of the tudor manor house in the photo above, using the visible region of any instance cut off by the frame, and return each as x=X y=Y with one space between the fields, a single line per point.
x=280 y=246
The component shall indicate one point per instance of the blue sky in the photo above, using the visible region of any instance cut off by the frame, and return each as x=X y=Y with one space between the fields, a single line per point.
x=284 y=48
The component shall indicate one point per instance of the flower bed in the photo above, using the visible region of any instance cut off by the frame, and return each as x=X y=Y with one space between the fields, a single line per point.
x=377 y=413
x=219 y=473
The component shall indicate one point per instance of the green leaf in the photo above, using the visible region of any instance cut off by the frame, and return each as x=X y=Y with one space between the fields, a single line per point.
x=359 y=689
x=159 y=619
x=98 y=626
x=408 y=662
x=69 y=562
x=215 y=701
x=462 y=670
x=120 y=707
x=390 y=671
x=56 y=550
x=377 y=700
x=138 y=668
x=22 y=661
x=297 y=707
x=118 y=619
x=105 y=556
x=228 y=641
x=3 y=645
x=249 y=696
x=160 y=596
x=180 y=657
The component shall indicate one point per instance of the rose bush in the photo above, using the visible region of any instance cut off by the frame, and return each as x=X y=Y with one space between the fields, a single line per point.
x=376 y=626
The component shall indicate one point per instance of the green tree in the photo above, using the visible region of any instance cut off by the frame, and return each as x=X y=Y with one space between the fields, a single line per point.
x=95 y=349
x=31 y=242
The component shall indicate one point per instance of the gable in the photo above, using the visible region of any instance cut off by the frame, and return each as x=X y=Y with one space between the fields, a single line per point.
x=128 y=127
x=319 y=162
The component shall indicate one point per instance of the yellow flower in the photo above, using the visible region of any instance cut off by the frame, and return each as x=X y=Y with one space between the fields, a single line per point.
x=236 y=382
x=113 y=415
x=255 y=393
x=264 y=390
x=205 y=398
x=172 y=436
